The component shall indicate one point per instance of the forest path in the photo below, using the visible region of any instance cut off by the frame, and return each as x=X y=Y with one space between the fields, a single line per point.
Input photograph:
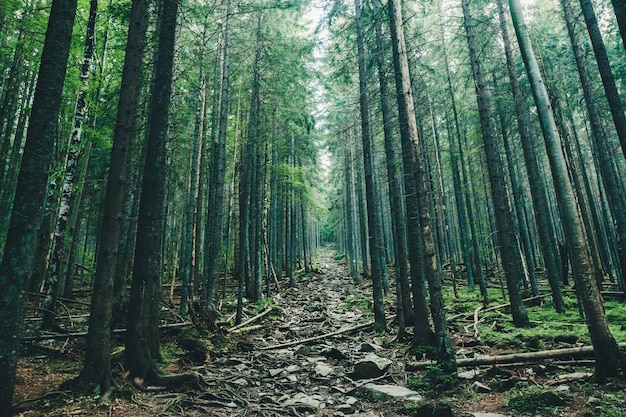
x=312 y=379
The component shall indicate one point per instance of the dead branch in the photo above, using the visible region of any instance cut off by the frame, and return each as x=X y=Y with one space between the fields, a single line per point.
x=457 y=316
x=245 y=323
x=319 y=337
x=83 y=334
x=246 y=329
x=518 y=357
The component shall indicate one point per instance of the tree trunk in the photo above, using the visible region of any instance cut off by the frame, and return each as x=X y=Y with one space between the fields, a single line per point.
x=606 y=73
x=606 y=163
x=610 y=360
x=97 y=363
x=142 y=338
x=53 y=274
x=374 y=219
x=213 y=238
x=405 y=310
x=537 y=188
x=506 y=238
x=619 y=6
x=411 y=142
x=17 y=257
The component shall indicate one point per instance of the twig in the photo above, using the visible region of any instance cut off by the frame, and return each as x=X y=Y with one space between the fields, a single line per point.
x=246 y=329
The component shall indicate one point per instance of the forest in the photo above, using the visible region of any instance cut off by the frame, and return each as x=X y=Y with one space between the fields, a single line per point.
x=312 y=207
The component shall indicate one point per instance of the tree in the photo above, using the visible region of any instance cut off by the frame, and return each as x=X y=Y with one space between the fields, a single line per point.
x=610 y=360
x=414 y=163
x=374 y=219
x=57 y=251
x=502 y=212
x=15 y=268
x=97 y=363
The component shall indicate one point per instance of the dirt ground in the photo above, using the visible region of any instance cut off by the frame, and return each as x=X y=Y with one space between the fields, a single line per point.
x=250 y=374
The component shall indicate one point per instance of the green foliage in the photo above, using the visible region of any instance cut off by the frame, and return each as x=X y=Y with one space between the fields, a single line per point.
x=358 y=301
x=435 y=380
x=536 y=400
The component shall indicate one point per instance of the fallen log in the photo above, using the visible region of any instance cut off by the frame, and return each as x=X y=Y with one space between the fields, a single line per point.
x=517 y=357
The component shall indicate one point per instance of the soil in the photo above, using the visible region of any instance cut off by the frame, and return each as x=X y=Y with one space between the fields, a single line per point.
x=246 y=374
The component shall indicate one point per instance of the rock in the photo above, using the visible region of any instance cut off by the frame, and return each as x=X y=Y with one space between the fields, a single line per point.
x=551 y=398
x=274 y=372
x=480 y=388
x=303 y=399
x=241 y=382
x=371 y=366
x=241 y=367
x=562 y=388
x=368 y=414
x=369 y=347
x=498 y=373
x=593 y=402
x=323 y=370
x=334 y=353
x=469 y=374
x=390 y=392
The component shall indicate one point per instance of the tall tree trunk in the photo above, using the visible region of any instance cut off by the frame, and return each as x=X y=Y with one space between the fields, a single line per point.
x=606 y=163
x=506 y=238
x=213 y=239
x=423 y=334
x=142 y=337
x=537 y=188
x=411 y=140
x=51 y=288
x=17 y=258
x=610 y=360
x=405 y=310
x=97 y=363
x=374 y=219
x=619 y=6
x=606 y=73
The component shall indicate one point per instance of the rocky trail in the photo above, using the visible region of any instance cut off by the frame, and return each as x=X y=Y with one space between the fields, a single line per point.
x=311 y=352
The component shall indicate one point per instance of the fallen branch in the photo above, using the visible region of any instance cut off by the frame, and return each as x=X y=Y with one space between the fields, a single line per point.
x=245 y=323
x=83 y=334
x=517 y=357
x=246 y=329
x=319 y=337
x=499 y=306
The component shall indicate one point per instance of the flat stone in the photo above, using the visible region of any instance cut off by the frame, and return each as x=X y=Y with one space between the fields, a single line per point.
x=241 y=382
x=481 y=388
x=323 y=370
x=371 y=366
x=274 y=372
x=390 y=392
x=303 y=399
x=562 y=388
x=241 y=367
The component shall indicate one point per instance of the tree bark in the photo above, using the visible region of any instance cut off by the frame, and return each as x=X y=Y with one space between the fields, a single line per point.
x=610 y=361
x=57 y=252
x=413 y=157
x=502 y=212
x=374 y=219
x=17 y=258
x=142 y=338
